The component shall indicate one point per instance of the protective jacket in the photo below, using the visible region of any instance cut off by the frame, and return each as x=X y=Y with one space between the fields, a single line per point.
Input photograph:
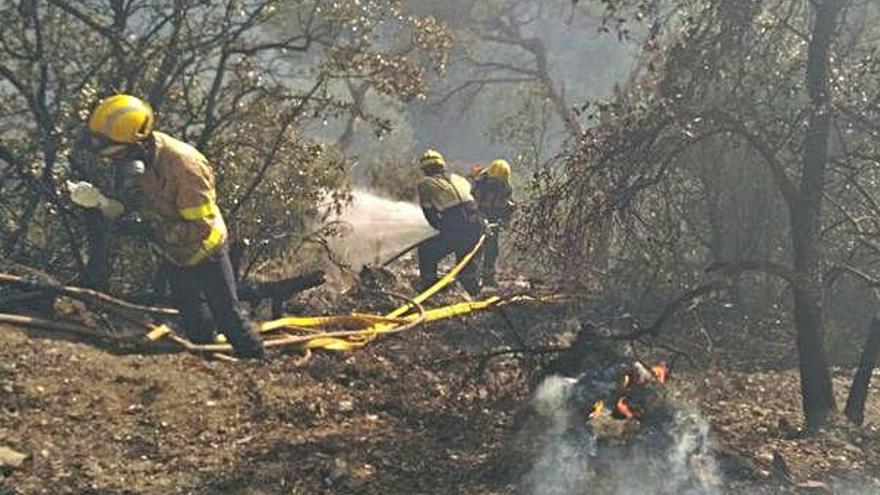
x=177 y=193
x=493 y=197
x=447 y=202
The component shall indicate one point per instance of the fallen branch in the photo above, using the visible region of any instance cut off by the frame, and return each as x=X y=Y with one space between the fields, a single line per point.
x=61 y=326
x=83 y=294
x=780 y=471
x=485 y=357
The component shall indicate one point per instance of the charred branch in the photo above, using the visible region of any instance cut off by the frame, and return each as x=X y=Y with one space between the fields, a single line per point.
x=279 y=291
x=655 y=328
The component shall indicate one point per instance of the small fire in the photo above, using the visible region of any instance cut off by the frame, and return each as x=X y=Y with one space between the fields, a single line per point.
x=660 y=372
x=640 y=374
x=623 y=408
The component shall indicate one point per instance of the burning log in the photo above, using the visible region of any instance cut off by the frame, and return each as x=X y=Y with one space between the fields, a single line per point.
x=601 y=428
x=632 y=383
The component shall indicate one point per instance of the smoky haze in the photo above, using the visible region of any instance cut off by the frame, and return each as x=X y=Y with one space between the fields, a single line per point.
x=495 y=98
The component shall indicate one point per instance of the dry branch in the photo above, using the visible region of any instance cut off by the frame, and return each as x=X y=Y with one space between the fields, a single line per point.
x=82 y=293
x=655 y=328
x=61 y=326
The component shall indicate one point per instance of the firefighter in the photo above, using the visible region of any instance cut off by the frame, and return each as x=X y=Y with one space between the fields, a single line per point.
x=172 y=186
x=449 y=207
x=493 y=193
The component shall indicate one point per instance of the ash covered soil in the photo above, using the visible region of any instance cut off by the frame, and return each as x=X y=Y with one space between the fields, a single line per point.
x=408 y=414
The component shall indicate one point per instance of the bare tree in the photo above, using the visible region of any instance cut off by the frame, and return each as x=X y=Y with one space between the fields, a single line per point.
x=237 y=79
x=726 y=80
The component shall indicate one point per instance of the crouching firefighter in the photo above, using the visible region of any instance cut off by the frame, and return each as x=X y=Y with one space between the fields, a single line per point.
x=449 y=207
x=172 y=186
x=493 y=193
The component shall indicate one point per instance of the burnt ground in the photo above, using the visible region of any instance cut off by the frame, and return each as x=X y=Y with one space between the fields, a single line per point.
x=414 y=413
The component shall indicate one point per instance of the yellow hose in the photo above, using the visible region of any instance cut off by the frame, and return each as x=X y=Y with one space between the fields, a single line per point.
x=359 y=328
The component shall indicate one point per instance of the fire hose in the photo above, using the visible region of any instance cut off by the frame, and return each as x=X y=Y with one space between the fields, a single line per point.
x=304 y=332
x=407 y=249
x=489 y=229
x=366 y=327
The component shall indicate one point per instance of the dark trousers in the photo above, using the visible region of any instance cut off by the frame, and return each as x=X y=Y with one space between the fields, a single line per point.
x=490 y=256
x=458 y=241
x=205 y=295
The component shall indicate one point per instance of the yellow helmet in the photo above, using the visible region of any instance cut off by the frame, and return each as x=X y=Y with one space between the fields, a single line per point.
x=122 y=119
x=499 y=169
x=432 y=157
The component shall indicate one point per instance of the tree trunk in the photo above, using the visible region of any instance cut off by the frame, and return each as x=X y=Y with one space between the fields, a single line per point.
x=816 y=386
x=855 y=404
x=817 y=391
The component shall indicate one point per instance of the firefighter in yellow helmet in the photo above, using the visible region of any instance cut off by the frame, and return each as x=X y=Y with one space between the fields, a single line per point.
x=493 y=193
x=171 y=184
x=449 y=207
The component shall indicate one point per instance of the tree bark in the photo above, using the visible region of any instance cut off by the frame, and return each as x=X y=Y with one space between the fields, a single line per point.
x=855 y=403
x=805 y=215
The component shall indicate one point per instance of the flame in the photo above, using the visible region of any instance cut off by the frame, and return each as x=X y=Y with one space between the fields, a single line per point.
x=623 y=408
x=661 y=373
x=641 y=374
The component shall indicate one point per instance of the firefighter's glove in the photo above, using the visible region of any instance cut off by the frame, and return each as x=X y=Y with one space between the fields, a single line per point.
x=88 y=196
x=84 y=194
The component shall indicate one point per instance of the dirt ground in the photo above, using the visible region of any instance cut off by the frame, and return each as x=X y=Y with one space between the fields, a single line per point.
x=410 y=414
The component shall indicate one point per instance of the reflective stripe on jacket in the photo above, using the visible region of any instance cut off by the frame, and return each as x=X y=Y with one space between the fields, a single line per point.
x=440 y=192
x=178 y=192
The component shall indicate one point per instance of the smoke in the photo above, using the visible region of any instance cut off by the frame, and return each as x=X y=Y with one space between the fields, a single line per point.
x=378 y=229
x=562 y=466
x=571 y=461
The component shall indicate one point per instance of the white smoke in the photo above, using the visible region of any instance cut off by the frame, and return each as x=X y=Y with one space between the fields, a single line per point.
x=570 y=461
x=379 y=229
x=562 y=466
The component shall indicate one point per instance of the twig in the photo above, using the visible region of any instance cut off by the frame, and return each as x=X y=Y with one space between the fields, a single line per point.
x=501 y=352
